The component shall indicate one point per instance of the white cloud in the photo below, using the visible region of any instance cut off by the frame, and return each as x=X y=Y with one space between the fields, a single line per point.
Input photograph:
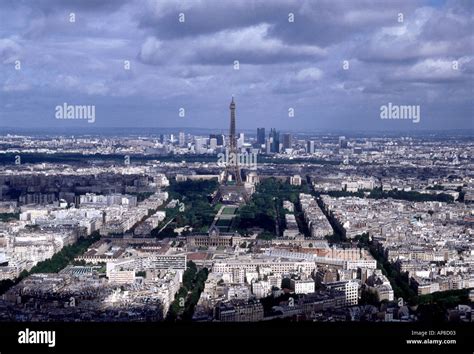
x=151 y=51
x=15 y=86
x=309 y=74
x=9 y=50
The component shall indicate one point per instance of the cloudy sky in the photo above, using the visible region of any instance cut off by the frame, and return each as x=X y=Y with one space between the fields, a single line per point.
x=334 y=63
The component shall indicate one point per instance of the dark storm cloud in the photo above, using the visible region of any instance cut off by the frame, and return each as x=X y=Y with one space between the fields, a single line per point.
x=207 y=17
x=428 y=58
x=50 y=6
x=320 y=23
x=249 y=45
x=433 y=34
x=329 y=22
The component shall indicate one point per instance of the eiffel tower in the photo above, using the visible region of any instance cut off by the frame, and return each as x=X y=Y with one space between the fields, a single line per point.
x=232 y=190
x=232 y=168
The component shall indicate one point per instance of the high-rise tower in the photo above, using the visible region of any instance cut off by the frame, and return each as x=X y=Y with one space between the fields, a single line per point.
x=260 y=136
x=232 y=167
x=275 y=140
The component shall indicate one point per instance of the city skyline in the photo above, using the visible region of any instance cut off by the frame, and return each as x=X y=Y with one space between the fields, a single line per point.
x=288 y=170
x=313 y=66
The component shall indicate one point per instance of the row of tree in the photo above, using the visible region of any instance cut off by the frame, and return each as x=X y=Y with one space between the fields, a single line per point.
x=195 y=196
x=188 y=295
x=378 y=193
x=9 y=216
x=266 y=206
x=53 y=265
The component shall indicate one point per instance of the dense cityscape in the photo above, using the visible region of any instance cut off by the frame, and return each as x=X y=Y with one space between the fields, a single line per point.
x=245 y=176
x=318 y=227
